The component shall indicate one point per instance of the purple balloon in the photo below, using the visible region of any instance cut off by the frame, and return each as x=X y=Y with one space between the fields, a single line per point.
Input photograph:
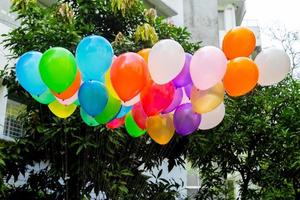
x=186 y=121
x=184 y=78
x=175 y=102
x=188 y=90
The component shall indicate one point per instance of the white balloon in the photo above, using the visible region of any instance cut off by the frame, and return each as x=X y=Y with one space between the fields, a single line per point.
x=132 y=101
x=166 y=60
x=68 y=101
x=273 y=64
x=213 y=118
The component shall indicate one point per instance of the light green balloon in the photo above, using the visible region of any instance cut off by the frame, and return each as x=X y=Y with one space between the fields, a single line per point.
x=111 y=109
x=132 y=128
x=58 y=69
x=90 y=121
x=45 y=98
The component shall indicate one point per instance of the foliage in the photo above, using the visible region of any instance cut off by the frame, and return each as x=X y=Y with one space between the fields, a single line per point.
x=79 y=158
x=258 y=140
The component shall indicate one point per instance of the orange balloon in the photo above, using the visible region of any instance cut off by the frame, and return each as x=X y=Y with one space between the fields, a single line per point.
x=71 y=90
x=128 y=75
x=145 y=54
x=241 y=76
x=239 y=42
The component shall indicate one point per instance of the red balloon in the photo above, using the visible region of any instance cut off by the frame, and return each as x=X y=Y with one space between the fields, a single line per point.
x=139 y=115
x=116 y=123
x=128 y=75
x=156 y=98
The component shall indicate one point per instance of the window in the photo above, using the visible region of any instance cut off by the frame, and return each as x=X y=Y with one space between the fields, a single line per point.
x=12 y=126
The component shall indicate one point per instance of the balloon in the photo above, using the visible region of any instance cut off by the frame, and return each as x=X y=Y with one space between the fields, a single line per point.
x=60 y=110
x=28 y=75
x=139 y=115
x=109 y=86
x=156 y=98
x=145 y=54
x=58 y=69
x=185 y=99
x=239 y=42
x=273 y=65
x=186 y=121
x=90 y=121
x=94 y=56
x=208 y=67
x=45 y=98
x=175 y=102
x=71 y=90
x=116 y=123
x=188 y=90
x=132 y=128
x=77 y=102
x=204 y=101
x=110 y=111
x=68 y=101
x=241 y=76
x=161 y=128
x=132 y=101
x=184 y=78
x=166 y=60
x=213 y=118
x=128 y=75
x=123 y=111
x=93 y=97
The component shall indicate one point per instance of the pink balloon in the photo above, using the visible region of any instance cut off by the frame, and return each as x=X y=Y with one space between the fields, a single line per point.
x=68 y=101
x=208 y=67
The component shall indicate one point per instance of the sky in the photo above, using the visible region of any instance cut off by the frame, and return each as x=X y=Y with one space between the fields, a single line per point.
x=268 y=13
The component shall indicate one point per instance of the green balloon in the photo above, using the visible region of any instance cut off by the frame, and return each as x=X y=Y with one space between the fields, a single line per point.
x=111 y=109
x=132 y=128
x=58 y=69
x=90 y=121
x=45 y=98
x=77 y=103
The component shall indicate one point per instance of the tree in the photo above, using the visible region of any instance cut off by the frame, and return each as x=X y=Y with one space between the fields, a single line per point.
x=80 y=158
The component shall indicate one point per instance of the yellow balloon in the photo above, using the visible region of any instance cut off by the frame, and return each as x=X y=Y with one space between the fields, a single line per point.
x=204 y=101
x=145 y=54
x=109 y=86
x=161 y=128
x=60 y=110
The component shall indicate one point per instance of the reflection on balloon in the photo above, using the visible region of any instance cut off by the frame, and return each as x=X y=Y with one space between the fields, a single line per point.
x=239 y=42
x=166 y=60
x=186 y=121
x=139 y=115
x=94 y=56
x=128 y=75
x=213 y=118
x=28 y=75
x=208 y=67
x=58 y=69
x=161 y=128
x=132 y=128
x=110 y=111
x=204 y=101
x=116 y=123
x=241 y=76
x=273 y=65
x=60 y=110
x=45 y=98
x=93 y=97
x=90 y=121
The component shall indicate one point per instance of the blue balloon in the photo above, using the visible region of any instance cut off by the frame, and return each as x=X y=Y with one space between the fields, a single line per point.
x=94 y=56
x=123 y=111
x=93 y=97
x=28 y=75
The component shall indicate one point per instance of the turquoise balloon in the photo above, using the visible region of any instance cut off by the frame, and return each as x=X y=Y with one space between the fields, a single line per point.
x=123 y=111
x=94 y=56
x=45 y=98
x=28 y=75
x=93 y=97
x=90 y=121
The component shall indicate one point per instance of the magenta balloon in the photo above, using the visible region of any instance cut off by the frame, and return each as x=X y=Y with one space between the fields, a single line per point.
x=188 y=90
x=184 y=78
x=208 y=67
x=186 y=121
x=175 y=102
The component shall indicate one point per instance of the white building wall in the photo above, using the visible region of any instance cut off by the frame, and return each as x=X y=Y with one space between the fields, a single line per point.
x=177 y=6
